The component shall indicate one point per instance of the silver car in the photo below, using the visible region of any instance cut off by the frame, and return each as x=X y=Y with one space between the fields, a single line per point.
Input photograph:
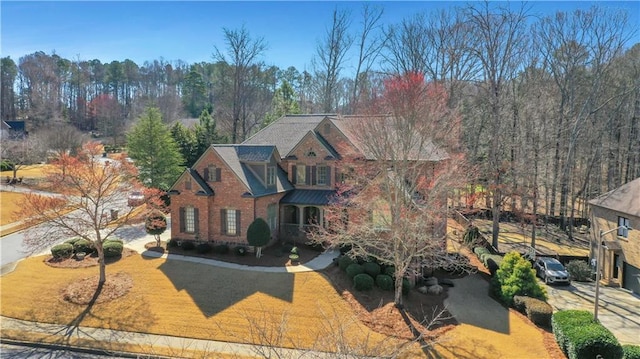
x=551 y=270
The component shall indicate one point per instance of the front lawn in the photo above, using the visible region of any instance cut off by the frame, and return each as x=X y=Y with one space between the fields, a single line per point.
x=192 y=300
x=8 y=205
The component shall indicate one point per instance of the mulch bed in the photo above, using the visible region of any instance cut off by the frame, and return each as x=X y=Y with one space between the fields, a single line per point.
x=83 y=291
x=273 y=256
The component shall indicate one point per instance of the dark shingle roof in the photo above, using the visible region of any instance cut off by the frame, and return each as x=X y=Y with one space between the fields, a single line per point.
x=201 y=182
x=624 y=199
x=286 y=132
x=235 y=156
x=309 y=196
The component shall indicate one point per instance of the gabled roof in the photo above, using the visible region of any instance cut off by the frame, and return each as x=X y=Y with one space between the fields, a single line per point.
x=235 y=157
x=321 y=141
x=309 y=196
x=624 y=199
x=204 y=187
x=286 y=132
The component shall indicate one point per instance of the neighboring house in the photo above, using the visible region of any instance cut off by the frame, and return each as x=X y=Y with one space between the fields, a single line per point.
x=12 y=129
x=620 y=254
x=287 y=173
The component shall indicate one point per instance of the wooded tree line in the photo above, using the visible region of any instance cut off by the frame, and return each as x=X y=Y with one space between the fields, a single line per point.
x=550 y=104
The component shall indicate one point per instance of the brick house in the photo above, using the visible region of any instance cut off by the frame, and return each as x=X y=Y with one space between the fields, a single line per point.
x=286 y=173
x=620 y=254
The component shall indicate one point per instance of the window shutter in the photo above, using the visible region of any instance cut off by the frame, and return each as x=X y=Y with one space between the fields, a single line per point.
x=218 y=174
x=328 y=179
x=206 y=174
x=237 y=222
x=313 y=175
x=182 y=220
x=294 y=174
x=223 y=221
x=196 y=223
x=307 y=176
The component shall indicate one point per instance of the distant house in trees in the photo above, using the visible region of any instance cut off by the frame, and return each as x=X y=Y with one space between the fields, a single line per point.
x=620 y=255
x=287 y=173
x=13 y=130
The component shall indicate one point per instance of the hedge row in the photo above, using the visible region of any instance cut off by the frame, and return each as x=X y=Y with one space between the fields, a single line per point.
x=368 y=274
x=538 y=311
x=580 y=336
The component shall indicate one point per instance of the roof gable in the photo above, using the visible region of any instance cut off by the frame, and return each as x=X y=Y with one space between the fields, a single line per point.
x=199 y=181
x=624 y=199
x=314 y=137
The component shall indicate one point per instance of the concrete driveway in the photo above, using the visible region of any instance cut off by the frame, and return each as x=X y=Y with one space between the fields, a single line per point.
x=619 y=310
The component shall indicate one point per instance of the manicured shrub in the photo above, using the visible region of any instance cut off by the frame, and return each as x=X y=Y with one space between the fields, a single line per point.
x=631 y=351
x=344 y=262
x=516 y=277
x=188 y=245
x=221 y=249
x=492 y=262
x=406 y=286
x=115 y=239
x=83 y=245
x=203 y=248
x=354 y=269
x=579 y=270
x=64 y=250
x=363 y=281
x=390 y=271
x=240 y=250
x=112 y=249
x=172 y=243
x=371 y=268
x=258 y=234
x=72 y=241
x=479 y=250
x=539 y=312
x=580 y=336
x=384 y=282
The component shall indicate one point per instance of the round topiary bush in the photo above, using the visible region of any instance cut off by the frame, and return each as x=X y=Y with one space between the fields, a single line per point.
x=203 y=248
x=344 y=262
x=384 y=282
x=83 y=245
x=406 y=286
x=371 y=268
x=172 y=243
x=390 y=271
x=354 y=269
x=188 y=245
x=112 y=249
x=64 y=250
x=363 y=281
x=72 y=241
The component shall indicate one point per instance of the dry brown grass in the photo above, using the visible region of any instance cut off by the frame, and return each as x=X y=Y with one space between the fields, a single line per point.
x=187 y=300
x=8 y=206
x=32 y=171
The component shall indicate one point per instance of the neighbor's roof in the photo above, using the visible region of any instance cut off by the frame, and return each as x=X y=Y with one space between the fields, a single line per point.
x=624 y=199
x=309 y=196
x=286 y=132
x=236 y=156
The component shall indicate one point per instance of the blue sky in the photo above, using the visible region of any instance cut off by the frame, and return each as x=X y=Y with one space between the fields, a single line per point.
x=188 y=31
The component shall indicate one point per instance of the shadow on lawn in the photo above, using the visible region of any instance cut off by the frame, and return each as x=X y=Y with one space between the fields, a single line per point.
x=212 y=292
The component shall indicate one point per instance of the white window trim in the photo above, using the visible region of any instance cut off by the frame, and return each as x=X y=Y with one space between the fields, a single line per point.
x=231 y=229
x=189 y=219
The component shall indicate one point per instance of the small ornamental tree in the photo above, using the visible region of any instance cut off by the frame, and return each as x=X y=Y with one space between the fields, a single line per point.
x=258 y=235
x=516 y=277
x=90 y=192
x=155 y=224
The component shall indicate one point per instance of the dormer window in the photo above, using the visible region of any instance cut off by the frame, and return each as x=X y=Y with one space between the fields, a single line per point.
x=271 y=175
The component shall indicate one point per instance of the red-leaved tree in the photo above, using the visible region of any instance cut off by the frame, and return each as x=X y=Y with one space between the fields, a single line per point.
x=404 y=164
x=87 y=191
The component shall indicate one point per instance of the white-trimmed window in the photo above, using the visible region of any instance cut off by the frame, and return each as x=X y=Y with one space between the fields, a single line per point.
x=189 y=219
x=623 y=232
x=272 y=216
x=301 y=174
x=321 y=175
x=271 y=175
x=231 y=223
x=211 y=174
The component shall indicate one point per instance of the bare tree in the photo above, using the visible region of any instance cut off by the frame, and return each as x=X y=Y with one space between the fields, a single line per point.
x=394 y=207
x=499 y=44
x=22 y=151
x=330 y=58
x=243 y=52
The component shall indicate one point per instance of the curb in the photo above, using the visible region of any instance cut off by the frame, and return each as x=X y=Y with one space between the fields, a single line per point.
x=75 y=349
